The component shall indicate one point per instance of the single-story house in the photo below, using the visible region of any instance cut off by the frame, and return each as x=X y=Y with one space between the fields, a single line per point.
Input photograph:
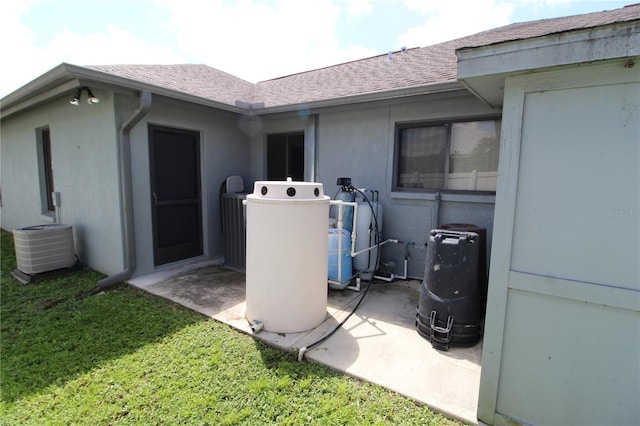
x=531 y=131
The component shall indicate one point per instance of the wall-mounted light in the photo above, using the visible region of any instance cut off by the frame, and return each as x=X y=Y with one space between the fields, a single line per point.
x=91 y=99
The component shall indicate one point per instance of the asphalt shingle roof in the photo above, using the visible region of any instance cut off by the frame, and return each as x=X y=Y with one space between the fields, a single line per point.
x=411 y=68
x=193 y=79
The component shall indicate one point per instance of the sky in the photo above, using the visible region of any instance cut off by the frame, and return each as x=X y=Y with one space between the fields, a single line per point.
x=252 y=39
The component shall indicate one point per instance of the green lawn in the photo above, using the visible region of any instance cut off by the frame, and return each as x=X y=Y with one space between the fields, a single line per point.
x=73 y=355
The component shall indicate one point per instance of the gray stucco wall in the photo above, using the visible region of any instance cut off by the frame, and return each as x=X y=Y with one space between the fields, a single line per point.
x=354 y=141
x=357 y=141
x=261 y=126
x=84 y=142
x=224 y=151
x=83 y=145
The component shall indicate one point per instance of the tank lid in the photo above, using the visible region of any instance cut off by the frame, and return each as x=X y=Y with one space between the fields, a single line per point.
x=288 y=190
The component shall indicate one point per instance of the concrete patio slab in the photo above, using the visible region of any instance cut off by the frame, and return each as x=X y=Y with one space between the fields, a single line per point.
x=378 y=343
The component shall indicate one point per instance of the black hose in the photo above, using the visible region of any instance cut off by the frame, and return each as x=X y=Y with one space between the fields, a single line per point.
x=302 y=350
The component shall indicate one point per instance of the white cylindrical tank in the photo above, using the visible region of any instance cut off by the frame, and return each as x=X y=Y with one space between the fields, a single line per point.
x=287 y=245
x=366 y=236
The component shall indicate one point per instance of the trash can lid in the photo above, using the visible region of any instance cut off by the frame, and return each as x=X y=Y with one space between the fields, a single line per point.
x=288 y=190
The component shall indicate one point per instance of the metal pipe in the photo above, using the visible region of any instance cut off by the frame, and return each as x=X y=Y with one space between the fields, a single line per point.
x=55 y=198
x=436 y=211
x=126 y=193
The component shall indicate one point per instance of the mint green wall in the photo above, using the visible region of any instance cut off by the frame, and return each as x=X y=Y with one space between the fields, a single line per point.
x=562 y=337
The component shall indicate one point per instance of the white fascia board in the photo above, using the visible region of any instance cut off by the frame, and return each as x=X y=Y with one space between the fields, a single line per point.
x=40 y=97
x=579 y=46
x=68 y=77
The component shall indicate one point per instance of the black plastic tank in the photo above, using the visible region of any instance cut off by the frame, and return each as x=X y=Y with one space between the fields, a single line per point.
x=483 y=277
x=451 y=302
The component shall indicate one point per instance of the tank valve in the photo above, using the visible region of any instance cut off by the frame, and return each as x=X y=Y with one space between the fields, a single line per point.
x=344 y=182
x=256 y=326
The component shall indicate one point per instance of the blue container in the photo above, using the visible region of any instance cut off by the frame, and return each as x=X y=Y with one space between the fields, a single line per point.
x=340 y=252
x=347 y=211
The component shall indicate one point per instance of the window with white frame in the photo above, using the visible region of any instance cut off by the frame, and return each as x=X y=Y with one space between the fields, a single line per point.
x=450 y=156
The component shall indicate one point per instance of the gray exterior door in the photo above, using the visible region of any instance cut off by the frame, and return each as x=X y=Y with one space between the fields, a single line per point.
x=176 y=194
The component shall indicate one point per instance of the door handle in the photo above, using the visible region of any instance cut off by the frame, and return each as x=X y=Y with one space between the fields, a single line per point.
x=155 y=199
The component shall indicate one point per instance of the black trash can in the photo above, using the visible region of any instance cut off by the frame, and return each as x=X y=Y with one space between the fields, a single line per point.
x=451 y=302
x=483 y=277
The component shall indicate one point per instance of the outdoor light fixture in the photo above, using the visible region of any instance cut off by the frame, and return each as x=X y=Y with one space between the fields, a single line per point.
x=91 y=99
x=76 y=99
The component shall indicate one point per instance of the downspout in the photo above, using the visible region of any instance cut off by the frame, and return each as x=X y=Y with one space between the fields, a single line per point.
x=126 y=193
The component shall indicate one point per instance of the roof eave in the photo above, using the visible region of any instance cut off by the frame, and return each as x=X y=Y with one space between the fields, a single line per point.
x=67 y=77
x=404 y=92
x=55 y=77
x=482 y=69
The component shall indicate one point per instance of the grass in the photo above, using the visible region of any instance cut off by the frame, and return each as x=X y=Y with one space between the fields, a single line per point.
x=73 y=355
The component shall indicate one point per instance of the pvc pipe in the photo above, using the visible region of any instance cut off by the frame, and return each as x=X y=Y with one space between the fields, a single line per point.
x=394 y=276
x=387 y=279
x=342 y=282
x=404 y=276
x=354 y=287
x=341 y=205
x=256 y=326
x=126 y=194
x=390 y=240
x=301 y=353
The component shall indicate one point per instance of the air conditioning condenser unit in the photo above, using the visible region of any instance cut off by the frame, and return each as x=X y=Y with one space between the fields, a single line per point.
x=44 y=248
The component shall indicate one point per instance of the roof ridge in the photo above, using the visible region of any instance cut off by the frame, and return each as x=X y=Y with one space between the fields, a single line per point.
x=539 y=23
x=151 y=66
x=416 y=67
